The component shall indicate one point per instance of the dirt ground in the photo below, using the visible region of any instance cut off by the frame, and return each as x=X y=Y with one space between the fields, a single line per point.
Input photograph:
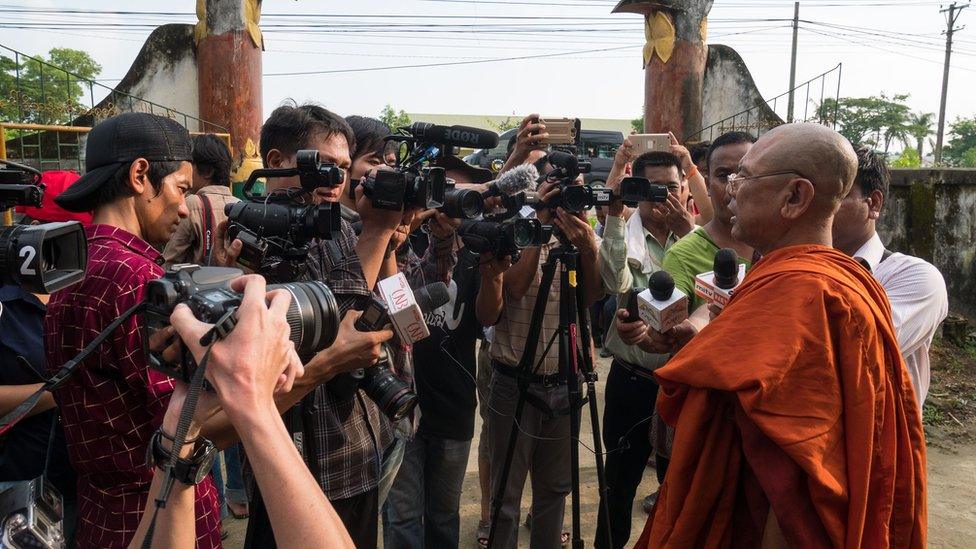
x=950 y=417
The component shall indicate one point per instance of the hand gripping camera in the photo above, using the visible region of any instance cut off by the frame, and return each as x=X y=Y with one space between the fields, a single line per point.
x=313 y=314
x=639 y=189
x=507 y=238
x=41 y=258
x=573 y=198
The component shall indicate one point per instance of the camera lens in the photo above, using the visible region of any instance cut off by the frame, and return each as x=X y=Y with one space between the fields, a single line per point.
x=523 y=234
x=391 y=395
x=43 y=258
x=313 y=316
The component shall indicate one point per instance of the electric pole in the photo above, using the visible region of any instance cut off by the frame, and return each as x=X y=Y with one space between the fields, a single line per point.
x=953 y=12
x=796 y=28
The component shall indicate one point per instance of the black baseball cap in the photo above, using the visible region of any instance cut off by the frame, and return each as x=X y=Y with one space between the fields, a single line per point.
x=121 y=140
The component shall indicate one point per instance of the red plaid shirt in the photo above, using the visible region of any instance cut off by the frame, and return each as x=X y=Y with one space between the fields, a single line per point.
x=114 y=402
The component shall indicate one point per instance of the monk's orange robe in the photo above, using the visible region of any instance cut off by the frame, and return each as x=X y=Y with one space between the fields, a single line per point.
x=794 y=399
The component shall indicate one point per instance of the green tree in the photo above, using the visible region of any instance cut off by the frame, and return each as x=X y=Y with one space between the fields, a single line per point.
x=49 y=90
x=909 y=159
x=394 y=119
x=504 y=125
x=876 y=121
x=637 y=124
x=961 y=148
x=919 y=128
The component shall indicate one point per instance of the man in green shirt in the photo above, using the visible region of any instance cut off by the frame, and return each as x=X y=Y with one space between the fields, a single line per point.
x=692 y=255
x=630 y=252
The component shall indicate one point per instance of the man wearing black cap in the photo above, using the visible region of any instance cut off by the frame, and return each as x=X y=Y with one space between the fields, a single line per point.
x=137 y=172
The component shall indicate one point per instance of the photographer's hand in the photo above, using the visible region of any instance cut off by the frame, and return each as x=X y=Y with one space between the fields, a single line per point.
x=547 y=192
x=489 y=301
x=351 y=351
x=379 y=226
x=621 y=161
x=442 y=226
x=225 y=254
x=680 y=220
x=532 y=136
x=696 y=180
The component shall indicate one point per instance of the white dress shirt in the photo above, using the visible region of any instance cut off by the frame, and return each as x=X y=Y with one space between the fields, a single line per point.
x=919 y=302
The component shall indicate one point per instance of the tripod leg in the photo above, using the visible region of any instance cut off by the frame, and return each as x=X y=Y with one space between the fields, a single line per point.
x=569 y=364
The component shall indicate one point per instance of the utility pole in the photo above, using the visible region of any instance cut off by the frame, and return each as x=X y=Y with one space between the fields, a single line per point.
x=953 y=12
x=796 y=28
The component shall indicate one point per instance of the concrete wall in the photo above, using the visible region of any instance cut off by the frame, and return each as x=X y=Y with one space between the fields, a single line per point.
x=729 y=90
x=932 y=214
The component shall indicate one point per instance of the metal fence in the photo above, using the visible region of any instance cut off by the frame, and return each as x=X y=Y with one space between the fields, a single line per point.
x=809 y=99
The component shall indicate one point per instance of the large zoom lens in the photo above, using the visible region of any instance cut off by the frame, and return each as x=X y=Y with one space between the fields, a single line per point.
x=43 y=258
x=463 y=203
x=294 y=221
x=313 y=316
x=393 y=397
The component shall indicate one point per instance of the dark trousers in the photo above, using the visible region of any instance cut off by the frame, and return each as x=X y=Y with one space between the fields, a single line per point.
x=359 y=514
x=629 y=405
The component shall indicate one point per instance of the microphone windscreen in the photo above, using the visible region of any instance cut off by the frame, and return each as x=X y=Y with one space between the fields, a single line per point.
x=726 y=268
x=661 y=285
x=516 y=180
x=432 y=296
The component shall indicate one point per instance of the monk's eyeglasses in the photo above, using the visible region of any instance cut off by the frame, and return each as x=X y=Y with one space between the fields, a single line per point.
x=734 y=180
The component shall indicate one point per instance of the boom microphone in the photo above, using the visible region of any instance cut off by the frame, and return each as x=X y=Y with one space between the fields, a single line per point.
x=514 y=181
x=454 y=136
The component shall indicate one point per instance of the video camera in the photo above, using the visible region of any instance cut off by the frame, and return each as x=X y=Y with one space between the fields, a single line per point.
x=275 y=232
x=640 y=189
x=31 y=515
x=566 y=168
x=462 y=203
x=412 y=182
x=506 y=238
x=40 y=258
x=313 y=314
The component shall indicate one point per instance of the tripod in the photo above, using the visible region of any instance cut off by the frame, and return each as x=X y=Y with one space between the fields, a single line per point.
x=573 y=329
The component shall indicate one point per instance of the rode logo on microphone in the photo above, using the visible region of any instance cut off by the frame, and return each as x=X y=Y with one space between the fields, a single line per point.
x=459 y=135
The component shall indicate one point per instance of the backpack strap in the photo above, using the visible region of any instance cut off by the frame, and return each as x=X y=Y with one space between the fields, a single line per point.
x=208 y=228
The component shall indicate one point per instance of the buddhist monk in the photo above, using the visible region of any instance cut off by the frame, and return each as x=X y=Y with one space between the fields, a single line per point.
x=796 y=423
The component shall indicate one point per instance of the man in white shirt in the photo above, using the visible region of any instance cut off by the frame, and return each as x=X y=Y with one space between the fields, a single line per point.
x=915 y=288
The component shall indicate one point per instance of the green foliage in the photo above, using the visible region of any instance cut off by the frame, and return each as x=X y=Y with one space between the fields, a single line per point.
x=932 y=415
x=909 y=159
x=919 y=128
x=394 y=119
x=46 y=90
x=961 y=148
x=637 y=124
x=505 y=125
x=875 y=121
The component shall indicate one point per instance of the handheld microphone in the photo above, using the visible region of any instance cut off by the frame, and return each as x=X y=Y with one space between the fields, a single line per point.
x=661 y=305
x=717 y=286
x=518 y=179
x=633 y=304
x=454 y=136
x=402 y=308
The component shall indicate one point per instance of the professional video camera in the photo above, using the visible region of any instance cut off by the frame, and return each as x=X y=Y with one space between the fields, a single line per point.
x=503 y=239
x=573 y=198
x=31 y=514
x=462 y=203
x=313 y=313
x=412 y=183
x=275 y=232
x=640 y=189
x=41 y=258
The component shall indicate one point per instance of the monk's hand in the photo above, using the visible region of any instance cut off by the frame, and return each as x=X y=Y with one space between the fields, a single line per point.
x=713 y=311
x=631 y=333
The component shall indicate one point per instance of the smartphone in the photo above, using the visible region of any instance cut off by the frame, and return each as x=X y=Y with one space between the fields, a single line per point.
x=633 y=313
x=650 y=142
x=562 y=131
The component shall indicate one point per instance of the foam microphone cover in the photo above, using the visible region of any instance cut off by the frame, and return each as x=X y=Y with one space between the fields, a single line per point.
x=726 y=268
x=432 y=296
x=661 y=285
x=514 y=181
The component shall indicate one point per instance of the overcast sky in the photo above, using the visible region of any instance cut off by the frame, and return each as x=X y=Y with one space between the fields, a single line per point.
x=899 y=49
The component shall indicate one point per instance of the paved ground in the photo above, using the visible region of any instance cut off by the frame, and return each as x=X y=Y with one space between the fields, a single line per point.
x=952 y=494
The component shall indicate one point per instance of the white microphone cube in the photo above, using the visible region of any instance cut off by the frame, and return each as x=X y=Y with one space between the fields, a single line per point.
x=706 y=288
x=662 y=315
x=405 y=315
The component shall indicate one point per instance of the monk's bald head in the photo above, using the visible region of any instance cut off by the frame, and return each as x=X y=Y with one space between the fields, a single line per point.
x=791 y=183
x=814 y=151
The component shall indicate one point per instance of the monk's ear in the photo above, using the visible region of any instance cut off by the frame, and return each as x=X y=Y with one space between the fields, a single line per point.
x=799 y=196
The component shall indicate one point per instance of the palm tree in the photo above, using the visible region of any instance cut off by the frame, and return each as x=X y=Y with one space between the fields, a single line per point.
x=919 y=128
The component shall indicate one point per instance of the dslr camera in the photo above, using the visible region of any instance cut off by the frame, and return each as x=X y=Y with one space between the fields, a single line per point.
x=640 y=189
x=275 y=231
x=398 y=189
x=573 y=198
x=508 y=237
x=40 y=258
x=313 y=314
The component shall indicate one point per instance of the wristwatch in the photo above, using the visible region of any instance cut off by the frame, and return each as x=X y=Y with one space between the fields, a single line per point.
x=189 y=471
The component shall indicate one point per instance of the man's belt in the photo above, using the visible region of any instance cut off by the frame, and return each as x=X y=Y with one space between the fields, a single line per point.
x=547 y=380
x=634 y=369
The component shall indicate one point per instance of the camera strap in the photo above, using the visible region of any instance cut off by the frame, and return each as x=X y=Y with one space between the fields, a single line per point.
x=208 y=228
x=20 y=412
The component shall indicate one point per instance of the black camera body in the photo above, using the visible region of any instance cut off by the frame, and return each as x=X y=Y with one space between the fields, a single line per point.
x=506 y=238
x=276 y=236
x=32 y=515
x=579 y=198
x=462 y=203
x=311 y=172
x=397 y=189
x=639 y=189
x=313 y=313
